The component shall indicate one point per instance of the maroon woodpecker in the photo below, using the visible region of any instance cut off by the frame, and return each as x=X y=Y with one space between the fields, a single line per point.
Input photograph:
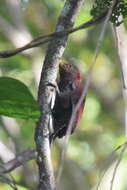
x=70 y=87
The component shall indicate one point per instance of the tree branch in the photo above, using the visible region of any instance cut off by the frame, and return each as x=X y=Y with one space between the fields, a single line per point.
x=19 y=160
x=49 y=73
x=121 y=38
x=41 y=40
x=117 y=164
x=59 y=33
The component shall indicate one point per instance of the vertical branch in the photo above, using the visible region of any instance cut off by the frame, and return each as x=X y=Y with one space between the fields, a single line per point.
x=49 y=73
x=122 y=49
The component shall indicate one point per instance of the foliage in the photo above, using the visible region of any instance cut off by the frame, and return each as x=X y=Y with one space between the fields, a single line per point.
x=119 y=11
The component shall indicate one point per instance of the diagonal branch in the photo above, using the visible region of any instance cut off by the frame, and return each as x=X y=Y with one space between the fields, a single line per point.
x=19 y=160
x=59 y=33
x=41 y=40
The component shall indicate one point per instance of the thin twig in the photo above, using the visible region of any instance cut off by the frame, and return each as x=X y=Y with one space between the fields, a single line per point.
x=19 y=160
x=11 y=182
x=117 y=164
x=108 y=161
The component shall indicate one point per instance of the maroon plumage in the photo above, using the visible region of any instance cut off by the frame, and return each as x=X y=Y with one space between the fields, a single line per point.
x=70 y=87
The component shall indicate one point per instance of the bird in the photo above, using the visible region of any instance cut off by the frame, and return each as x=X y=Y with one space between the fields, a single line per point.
x=70 y=85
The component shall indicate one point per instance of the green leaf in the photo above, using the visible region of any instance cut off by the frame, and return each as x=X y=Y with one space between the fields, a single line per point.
x=119 y=12
x=16 y=100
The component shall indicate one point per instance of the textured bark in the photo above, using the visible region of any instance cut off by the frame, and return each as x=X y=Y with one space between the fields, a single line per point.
x=49 y=73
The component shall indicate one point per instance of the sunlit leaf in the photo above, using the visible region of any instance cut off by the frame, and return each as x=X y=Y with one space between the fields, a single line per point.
x=16 y=100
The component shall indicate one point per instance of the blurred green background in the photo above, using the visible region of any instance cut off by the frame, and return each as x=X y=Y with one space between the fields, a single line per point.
x=102 y=126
